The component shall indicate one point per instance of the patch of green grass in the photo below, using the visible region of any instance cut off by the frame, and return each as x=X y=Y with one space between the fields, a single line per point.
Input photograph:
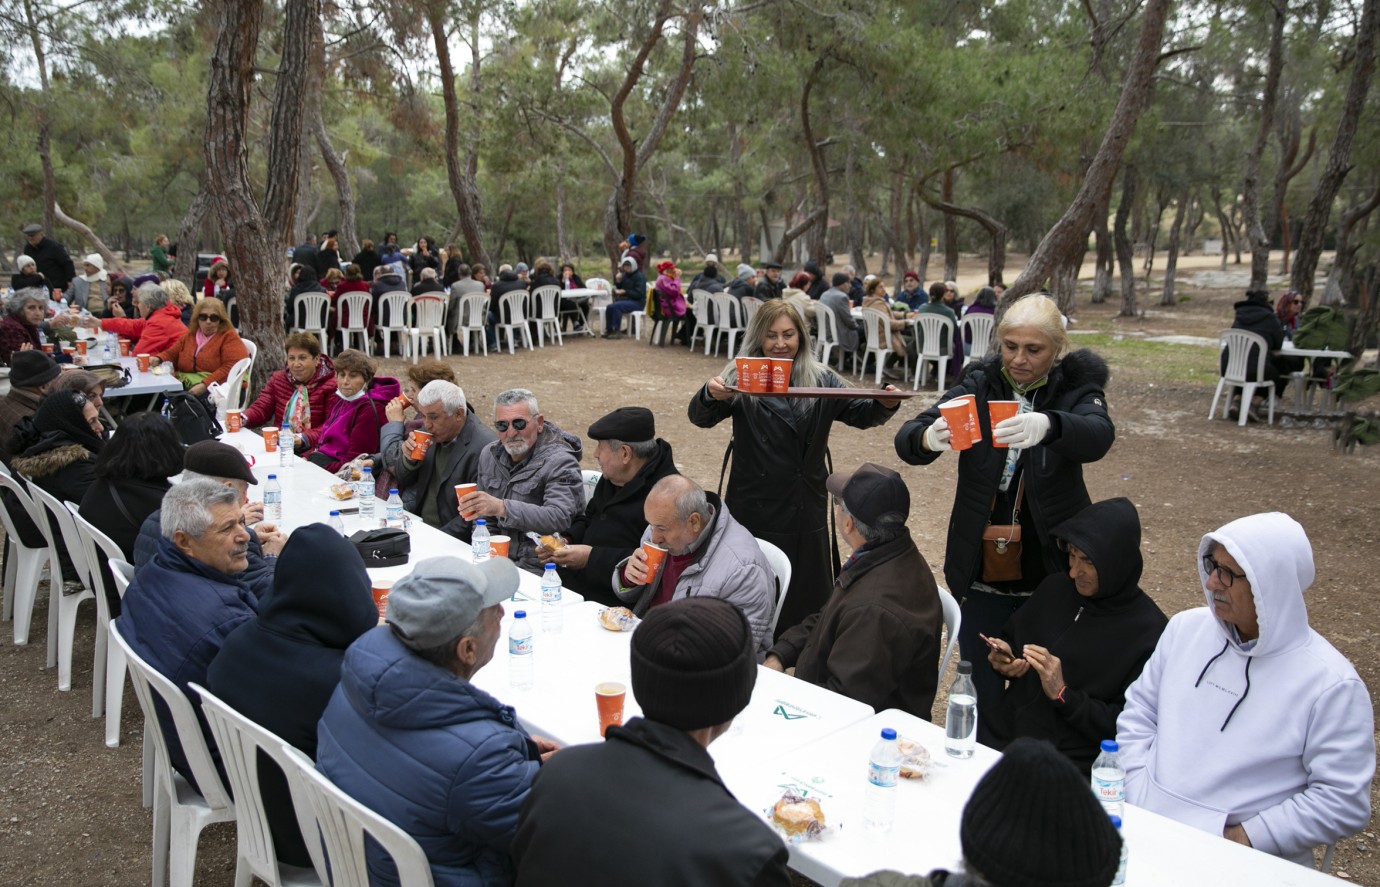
x=1163 y=361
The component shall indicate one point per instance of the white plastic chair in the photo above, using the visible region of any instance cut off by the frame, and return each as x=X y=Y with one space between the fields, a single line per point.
x=727 y=323
x=240 y=740
x=122 y=573
x=546 y=301
x=1238 y=344
x=474 y=312
x=97 y=550
x=828 y=338
x=934 y=330
x=513 y=306
x=750 y=306
x=701 y=302
x=976 y=331
x=25 y=564
x=953 y=619
x=395 y=306
x=878 y=328
x=179 y=812
x=234 y=383
x=343 y=824
x=311 y=314
x=429 y=320
x=61 y=532
x=592 y=479
x=781 y=566
x=598 y=305
x=357 y=306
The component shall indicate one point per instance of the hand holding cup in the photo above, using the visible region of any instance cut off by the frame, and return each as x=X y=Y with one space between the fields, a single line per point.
x=937 y=435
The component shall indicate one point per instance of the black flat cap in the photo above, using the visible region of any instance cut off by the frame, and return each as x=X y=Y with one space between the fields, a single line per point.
x=628 y=424
x=215 y=459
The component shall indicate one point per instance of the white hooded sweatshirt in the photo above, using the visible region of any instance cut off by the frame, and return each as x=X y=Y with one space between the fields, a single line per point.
x=1275 y=736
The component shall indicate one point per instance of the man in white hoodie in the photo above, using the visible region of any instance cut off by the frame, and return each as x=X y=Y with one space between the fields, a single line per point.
x=1283 y=768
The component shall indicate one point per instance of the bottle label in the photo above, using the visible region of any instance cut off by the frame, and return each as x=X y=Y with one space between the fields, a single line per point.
x=882 y=776
x=550 y=595
x=520 y=646
x=1109 y=787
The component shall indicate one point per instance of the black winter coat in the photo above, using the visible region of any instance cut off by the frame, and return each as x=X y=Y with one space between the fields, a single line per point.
x=319 y=604
x=1102 y=641
x=612 y=525
x=367 y=260
x=139 y=497
x=64 y=469
x=53 y=262
x=776 y=482
x=1080 y=431
x=646 y=806
x=1258 y=317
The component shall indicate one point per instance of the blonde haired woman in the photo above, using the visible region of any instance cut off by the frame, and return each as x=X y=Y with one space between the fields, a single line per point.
x=208 y=351
x=780 y=451
x=179 y=295
x=1036 y=474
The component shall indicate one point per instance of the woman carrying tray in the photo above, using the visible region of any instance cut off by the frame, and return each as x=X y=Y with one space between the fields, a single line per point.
x=780 y=445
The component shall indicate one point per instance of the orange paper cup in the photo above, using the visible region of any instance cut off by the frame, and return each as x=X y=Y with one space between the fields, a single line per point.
x=270 y=440
x=498 y=546
x=655 y=555
x=781 y=373
x=47 y=347
x=609 y=697
x=1000 y=411
x=124 y=347
x=761 y=374
x=381 y=589
x=461 y=491
x=406 y=401
x=143 y=361
x=745 y=378
x=81 y=347
x=961 y=414
x=421 y=441
x=232 y=420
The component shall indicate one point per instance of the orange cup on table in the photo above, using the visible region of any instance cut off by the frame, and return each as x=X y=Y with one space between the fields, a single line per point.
x=609 y=697
x=745 y=378
x=1000 y=411
x=781 y=373
x=655 y=554
x=48 y=348
x=421 y=442
x=498 y=545
x=81 y=347
x=461 y=491
x=124 y=347
x=961 y=414
x=233 y=421
x=144 y=361
x=270 y=440
x=381 y=588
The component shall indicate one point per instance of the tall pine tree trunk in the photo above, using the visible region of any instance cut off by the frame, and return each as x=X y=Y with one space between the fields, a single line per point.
x=1251 y=186
x=1125 y=255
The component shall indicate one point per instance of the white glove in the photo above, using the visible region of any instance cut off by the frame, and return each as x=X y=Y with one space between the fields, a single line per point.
x=1021 y=431
x=937 y=435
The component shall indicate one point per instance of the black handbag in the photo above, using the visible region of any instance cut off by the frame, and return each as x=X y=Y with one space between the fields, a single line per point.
x=382 y=547
x=192 y=416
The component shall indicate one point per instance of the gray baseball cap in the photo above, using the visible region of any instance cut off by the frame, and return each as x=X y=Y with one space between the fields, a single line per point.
x=443 y=596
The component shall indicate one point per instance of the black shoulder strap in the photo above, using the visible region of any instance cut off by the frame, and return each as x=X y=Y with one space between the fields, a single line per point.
x=728 y=454
x=120 y=504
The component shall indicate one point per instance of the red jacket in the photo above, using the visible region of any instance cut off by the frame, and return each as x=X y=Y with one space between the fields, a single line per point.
x=353 y=426
x=268 y=408
x=152 y=335
x=217 y=357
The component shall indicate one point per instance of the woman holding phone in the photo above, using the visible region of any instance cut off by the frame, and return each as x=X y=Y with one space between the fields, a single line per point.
x=1025 y=473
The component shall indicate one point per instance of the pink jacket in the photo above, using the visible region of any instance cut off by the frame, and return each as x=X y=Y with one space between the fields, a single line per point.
x=352 y=427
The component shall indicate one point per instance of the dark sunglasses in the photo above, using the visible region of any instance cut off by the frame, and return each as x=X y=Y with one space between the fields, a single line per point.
x=215 y=317
x=518 y=425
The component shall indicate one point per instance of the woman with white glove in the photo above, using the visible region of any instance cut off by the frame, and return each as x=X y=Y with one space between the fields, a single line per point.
x=1027 y=470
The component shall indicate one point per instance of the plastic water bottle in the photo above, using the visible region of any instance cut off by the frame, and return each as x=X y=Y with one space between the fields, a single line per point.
x=521 y=671
x=883 y=769
x=479 y=541
x=960 y=725
x=1109 y=779
x=1120 y=876
x=393 y=510
x=364 y=492
x=336 y=523
x=285 y=445
x=273 y=500
x=106 y=354
x=551 y=613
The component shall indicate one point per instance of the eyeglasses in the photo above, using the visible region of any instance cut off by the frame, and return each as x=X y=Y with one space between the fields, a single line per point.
x=1298 y=301
x=214 y=317
x=518 y=425
x=1224 y=576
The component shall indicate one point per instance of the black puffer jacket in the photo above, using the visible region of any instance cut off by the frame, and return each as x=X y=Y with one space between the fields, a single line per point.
x=1080 y=431
x=1257 y=316
x=1102 y=641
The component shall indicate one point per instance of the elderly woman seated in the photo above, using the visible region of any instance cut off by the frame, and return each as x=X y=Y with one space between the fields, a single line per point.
x=24 y=313
x=206 y=352
x=299 y=394
x=355 y=417
x=158 y=324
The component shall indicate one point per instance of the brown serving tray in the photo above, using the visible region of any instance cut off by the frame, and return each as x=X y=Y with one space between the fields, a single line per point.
x=841 y=393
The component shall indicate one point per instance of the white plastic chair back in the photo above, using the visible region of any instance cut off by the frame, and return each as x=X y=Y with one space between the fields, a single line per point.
x=429 y=321
x=355 y=308
x=240 y=740
x=828 y=338
x=62 y=608
x=728 y=323
x=878 y=328
x=935 y=330
x=953 y=619
x=311 y=313
x=592 y=479
x=474 y=312
x=599 y=283
x=977 y=332
x=121 y=574
x=179 y=813
x=1238 y=344
x=25 y=564
x=234 y=383
x=546 y=300
x=513 y=307
x=781 y=566
x=394 y=306
x=97 y=550
x=702 y=303
x=250 y=347
x=343 y=824
x=750 y=306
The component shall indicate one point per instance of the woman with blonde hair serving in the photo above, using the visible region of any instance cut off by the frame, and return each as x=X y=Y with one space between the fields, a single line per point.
x=780 y=452
x=1025 y=471
x=208 y=351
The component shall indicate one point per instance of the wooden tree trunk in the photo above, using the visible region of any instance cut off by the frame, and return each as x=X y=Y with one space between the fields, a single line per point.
x=345 y=195
x=1171 y=262
x=1339 y=157
x=1353 y=222
x=1125 y=255
x=188 y=241
x=950 y=228
x=1291 y=163
x=464 y=190
x=1251 y=185
x=1064 y=282
x=1069 y=234
x=112 y=261
x=996 y=234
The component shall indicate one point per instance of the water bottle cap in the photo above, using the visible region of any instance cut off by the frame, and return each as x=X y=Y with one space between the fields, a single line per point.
x=392 y=491
x=520 y=614
x=1116 y=821
x=550 y=567
x=273 y=477
x=335 y=514
x=368 y=470
x=965 y=667
x=888 y=734
x=481 y=523
x=1109 y=745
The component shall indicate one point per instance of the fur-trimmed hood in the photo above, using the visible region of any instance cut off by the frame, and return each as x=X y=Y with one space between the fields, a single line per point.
x=47 y=462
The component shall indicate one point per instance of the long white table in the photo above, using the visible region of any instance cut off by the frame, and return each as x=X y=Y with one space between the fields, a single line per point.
x=925 y=835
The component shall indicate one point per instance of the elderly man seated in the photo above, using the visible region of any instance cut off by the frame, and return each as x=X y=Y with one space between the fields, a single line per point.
x=877 y=637
x=529 y=479
x=185 y=601
x=31 y=375
x=457 y=439
x=407 y=734
x=707 y=552
x=1246 y=722
x=632 y=459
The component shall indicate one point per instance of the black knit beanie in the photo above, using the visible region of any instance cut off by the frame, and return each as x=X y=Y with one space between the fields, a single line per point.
x=1032 y=821
x=693 y=663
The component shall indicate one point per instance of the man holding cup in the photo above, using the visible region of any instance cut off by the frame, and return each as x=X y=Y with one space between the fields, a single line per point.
x=652 y=808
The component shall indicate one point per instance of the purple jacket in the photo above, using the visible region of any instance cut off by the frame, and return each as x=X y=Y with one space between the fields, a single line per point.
x=352 y=426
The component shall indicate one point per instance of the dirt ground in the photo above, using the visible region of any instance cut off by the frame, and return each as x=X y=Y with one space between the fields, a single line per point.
x=69 y=806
